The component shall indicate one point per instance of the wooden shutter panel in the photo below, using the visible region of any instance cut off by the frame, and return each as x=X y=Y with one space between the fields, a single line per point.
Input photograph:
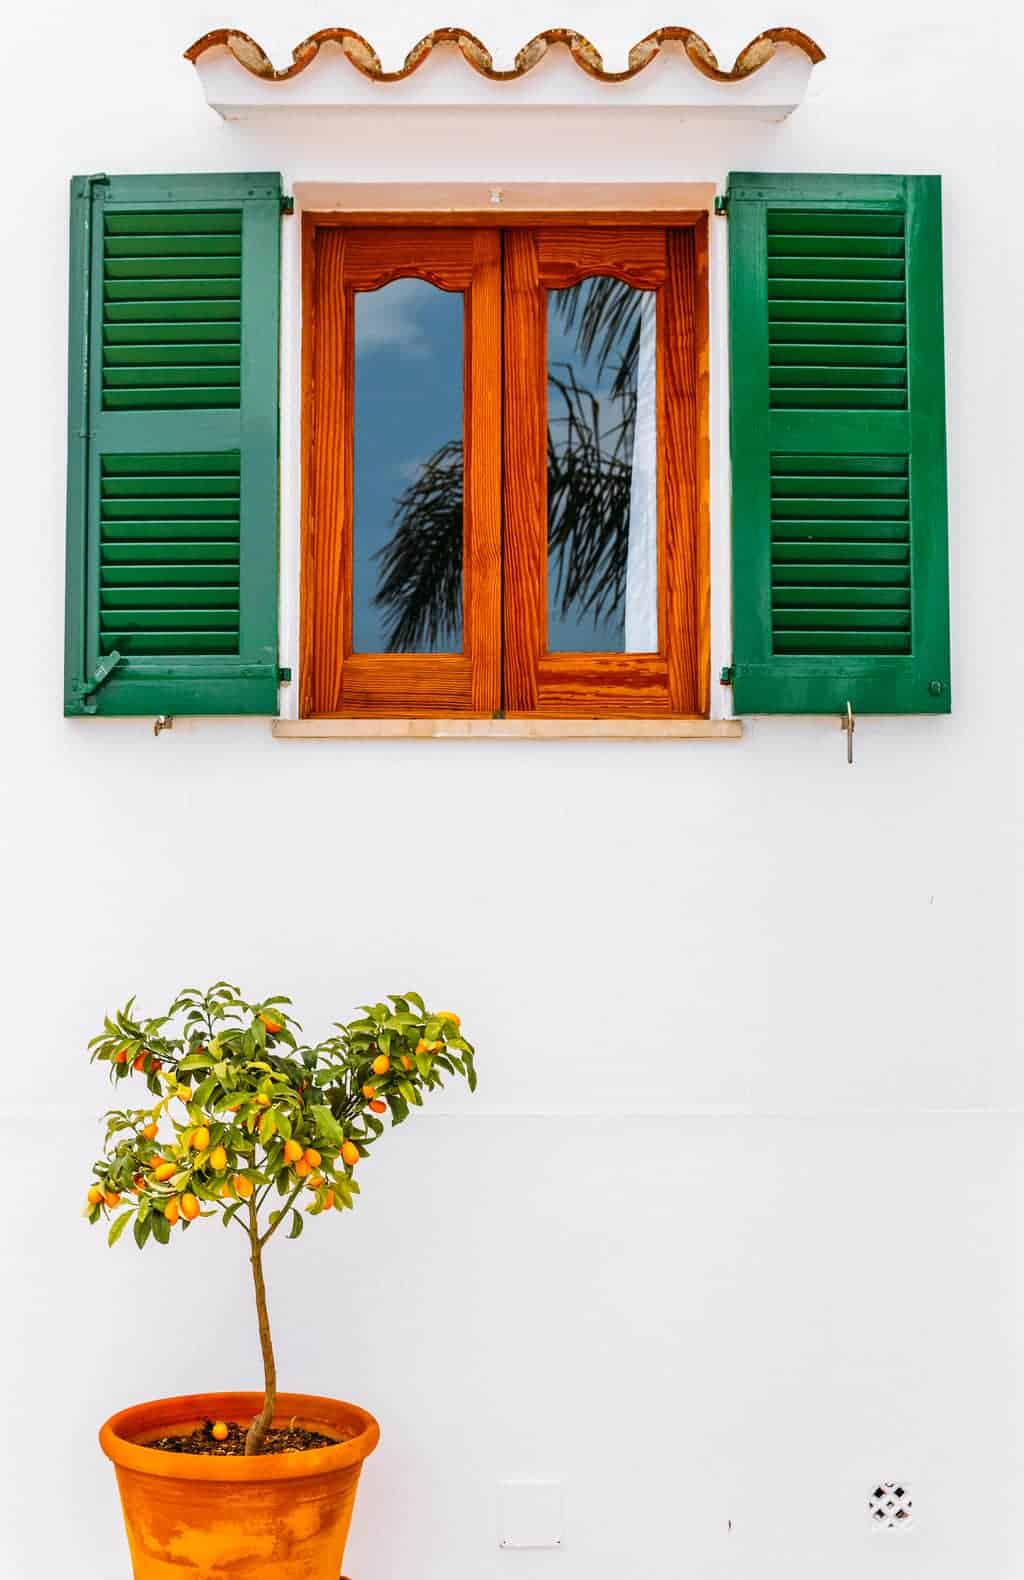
x=840 y=580
x=172 y=574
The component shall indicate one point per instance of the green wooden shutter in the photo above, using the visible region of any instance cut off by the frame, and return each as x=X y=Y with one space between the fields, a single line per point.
x=172 y=565
x=840 y=579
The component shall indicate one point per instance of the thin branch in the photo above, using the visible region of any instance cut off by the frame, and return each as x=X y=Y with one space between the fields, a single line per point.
x=288 y=1202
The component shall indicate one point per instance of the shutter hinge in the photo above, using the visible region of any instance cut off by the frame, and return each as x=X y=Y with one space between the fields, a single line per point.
x=104 y=669
x=726 y=675
x=284 y=675
x=287 y=203
x=721 y=205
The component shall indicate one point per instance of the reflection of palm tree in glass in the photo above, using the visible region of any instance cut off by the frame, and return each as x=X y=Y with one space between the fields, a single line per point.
x=589 y=475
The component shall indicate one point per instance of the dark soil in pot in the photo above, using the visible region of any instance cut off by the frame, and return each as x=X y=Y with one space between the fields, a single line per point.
x=280 y=1440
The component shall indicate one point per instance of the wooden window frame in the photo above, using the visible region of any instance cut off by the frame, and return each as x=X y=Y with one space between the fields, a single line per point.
x=504 y=666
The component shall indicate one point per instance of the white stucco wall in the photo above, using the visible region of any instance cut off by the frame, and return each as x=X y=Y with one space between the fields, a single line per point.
x=736 y=1266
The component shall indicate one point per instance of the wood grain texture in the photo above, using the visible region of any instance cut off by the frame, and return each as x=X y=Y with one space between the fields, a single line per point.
x=334 y=678
x=675 y=680
x=566 y=254
x=681 y=463
x=482 y=559
x=525 y=472
x=327 y=471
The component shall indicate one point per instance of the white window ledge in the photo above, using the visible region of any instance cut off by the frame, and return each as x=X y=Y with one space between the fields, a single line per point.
x=508 y=729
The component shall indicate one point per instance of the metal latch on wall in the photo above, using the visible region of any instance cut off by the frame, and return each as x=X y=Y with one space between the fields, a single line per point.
x=104 y=669
x=849 y=724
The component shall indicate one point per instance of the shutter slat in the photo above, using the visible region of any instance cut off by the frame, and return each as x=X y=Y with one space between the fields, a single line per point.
x=803 y=353
x=837 y=293
x=837 y=377
x=151 y=507
x=137 y=556
x=191 y=244
x=142 y=571
x=845 y=271
x=845 y=245
x=173 y=313
x=203 y=222
x=816 y=571
x=826 y=595
x=803 y=331
x=168 y=466
x=170 y=333
x=189 y=353
x=168 y=596
x=172 y=644
x=168 y=619
x=851 y=644
x=836 y=315
x=845 y=551
x=170 y=377
x=171 y=477
x=192 y=398
x=165 y=270
x=832 y=222
x=157 y=292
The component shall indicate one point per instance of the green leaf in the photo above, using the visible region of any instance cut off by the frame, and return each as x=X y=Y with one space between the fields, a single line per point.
x=296 y=1228
x=141 y=1230
x=197 y=1061
x=268 y=1125
x=230 y=1212
x=161 y=1228
x=326 y=1124
x=117 y=1228
x=284 y=1126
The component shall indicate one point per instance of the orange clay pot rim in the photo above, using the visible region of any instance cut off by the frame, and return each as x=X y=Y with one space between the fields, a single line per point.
x=117 y=1442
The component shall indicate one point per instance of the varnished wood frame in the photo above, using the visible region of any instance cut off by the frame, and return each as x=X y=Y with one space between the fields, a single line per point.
x=675 y=681
x=335 y=680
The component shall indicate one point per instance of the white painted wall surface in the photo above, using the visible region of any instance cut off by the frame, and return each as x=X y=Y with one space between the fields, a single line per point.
x=738 y=1267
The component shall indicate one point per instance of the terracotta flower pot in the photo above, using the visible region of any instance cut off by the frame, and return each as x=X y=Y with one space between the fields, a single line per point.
x=203 y=1517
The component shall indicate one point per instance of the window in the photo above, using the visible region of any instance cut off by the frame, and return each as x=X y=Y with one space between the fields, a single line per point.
x=505 y=464
x=505 y=469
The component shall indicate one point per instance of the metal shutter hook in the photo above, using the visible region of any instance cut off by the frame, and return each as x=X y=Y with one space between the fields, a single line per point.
x=849 y=724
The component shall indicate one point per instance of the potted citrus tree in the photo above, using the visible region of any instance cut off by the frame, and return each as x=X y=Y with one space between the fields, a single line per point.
x=245 y=1123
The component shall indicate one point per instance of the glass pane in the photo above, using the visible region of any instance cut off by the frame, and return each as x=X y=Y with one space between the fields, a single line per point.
x=407 y=535
x=602 y=469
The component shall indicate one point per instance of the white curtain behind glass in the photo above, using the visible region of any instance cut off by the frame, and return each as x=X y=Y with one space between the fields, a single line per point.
x=642 y=552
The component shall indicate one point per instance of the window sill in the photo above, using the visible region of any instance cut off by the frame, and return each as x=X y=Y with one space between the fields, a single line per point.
x=456 y=729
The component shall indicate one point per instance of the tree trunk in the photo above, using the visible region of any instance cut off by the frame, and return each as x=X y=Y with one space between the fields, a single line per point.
x=257 y=1433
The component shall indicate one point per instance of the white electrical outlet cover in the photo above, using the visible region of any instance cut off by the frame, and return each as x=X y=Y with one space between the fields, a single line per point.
x=530 y=1513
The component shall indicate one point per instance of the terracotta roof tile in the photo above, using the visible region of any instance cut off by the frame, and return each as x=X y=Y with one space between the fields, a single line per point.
x=365 y=59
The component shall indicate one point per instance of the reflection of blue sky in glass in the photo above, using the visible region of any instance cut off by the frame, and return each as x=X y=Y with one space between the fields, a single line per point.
x=408 y=402
x=577 y=630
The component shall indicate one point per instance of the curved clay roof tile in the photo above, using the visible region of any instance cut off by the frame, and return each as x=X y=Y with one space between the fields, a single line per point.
x=365 y=59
